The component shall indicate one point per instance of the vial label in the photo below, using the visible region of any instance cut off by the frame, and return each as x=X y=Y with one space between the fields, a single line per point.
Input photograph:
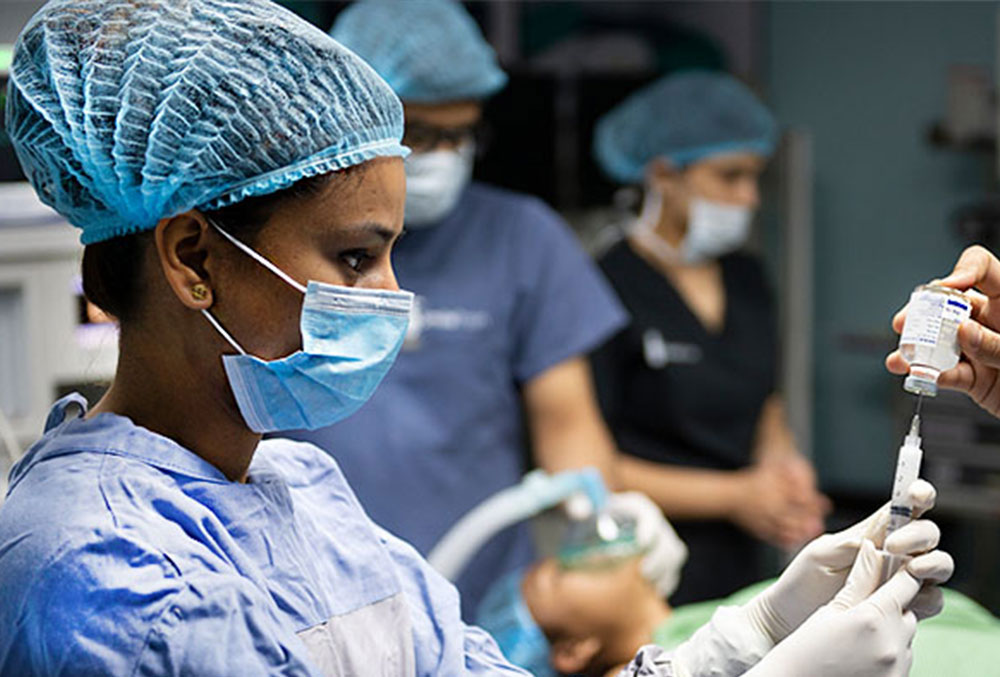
x=928 y=314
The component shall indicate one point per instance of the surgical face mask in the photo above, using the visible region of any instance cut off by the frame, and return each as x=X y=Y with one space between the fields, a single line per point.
x=434 y=182
x=350 y=338
x=714 y=229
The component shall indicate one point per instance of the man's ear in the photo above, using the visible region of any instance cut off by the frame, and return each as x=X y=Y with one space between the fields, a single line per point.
x=574 y=656
x=182 y=248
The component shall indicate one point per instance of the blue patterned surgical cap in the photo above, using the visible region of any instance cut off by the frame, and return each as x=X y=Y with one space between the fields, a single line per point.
x=124 y=112
x=683 y=117
x=429 y=51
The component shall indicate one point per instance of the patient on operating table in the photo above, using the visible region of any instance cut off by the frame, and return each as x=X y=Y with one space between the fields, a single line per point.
x=591 y=621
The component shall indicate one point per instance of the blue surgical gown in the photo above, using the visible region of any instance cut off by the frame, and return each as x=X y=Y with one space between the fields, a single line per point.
x=123 y=553
x=504 y=292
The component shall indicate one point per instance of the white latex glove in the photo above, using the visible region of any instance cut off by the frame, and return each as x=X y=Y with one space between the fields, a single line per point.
x=665 y=551
x=821 y=568
x=737 y=638
x=866 y=631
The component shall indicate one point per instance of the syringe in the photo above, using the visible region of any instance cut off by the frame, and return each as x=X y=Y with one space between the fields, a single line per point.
x=907 y=471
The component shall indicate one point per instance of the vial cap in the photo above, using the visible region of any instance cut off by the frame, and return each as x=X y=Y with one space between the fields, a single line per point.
x=920 y=386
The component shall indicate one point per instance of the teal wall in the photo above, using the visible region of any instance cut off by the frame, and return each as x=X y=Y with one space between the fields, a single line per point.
x=868 y=79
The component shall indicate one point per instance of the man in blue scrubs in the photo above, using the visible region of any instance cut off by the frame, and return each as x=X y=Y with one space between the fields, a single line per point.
x=508 y=306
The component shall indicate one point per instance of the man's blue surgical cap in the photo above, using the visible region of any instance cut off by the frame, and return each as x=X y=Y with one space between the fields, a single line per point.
x=123 y=112
x=504 y=614
x=683 y=118
x=429 y=51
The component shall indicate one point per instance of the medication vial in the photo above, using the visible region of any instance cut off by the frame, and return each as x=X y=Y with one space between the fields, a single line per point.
x=929 y=341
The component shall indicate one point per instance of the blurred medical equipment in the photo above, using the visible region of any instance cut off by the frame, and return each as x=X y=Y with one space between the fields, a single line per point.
x=537 y=492
x=978 y=222
x=595 y=529
x=51 y=341
x=929 y=340
x=11 y=446
x=12 y=450
x=969 y=120
x=598 y=541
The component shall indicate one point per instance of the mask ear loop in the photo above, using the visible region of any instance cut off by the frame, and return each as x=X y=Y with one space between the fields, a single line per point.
x=225 y=334
x=262 y=261
x=258 y=258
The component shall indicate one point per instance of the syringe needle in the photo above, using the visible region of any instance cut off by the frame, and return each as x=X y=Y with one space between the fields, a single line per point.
x=920 y=403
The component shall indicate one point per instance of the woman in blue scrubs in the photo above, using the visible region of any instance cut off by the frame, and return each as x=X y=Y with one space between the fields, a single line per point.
x=237 y=176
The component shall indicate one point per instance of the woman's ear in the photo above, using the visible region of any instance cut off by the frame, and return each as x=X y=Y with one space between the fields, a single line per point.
x=182 y=248
x=669 y=182
x=574 y=656
x=662 y=175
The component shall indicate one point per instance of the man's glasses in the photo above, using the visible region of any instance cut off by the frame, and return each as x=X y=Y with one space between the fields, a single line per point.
x=423 y=138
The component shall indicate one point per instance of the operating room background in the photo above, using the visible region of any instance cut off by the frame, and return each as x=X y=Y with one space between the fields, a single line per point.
x=863 y=83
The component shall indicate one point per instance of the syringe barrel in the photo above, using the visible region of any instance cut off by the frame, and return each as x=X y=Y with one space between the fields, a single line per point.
x=907 y=472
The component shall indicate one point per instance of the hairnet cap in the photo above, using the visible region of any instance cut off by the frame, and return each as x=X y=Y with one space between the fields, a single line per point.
x=683 y=117
x=126 y=112
x=429 y=51
x=504 y=614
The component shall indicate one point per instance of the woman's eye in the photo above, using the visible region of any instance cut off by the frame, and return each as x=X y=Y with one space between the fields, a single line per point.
x=355 y=260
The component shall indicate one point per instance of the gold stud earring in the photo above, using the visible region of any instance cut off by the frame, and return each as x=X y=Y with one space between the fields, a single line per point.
x=199 y=292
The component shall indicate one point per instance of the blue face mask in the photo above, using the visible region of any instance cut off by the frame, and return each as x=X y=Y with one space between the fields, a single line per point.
x=350 y=338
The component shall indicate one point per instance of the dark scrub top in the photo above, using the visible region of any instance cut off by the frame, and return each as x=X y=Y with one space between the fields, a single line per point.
x=504 y=292
x=675 y=392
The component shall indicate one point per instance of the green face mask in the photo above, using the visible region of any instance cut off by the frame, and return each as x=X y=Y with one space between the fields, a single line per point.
x=599 y=541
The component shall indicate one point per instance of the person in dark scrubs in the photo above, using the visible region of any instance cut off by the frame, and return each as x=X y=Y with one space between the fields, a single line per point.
x=689 y=388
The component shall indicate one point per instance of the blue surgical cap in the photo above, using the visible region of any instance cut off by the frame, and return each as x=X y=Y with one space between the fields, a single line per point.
x=504 y=614
x=684 y=118
x=429 y=51
x=126 y=112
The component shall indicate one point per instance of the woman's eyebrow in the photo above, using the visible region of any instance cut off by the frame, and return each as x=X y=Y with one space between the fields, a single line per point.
x=370 y=228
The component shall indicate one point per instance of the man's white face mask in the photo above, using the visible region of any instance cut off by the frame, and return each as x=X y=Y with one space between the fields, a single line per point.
x=434 y=183
x=714 y=229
